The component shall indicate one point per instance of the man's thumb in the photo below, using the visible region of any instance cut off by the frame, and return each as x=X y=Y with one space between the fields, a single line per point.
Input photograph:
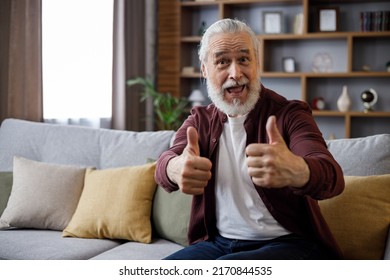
x=192 y=140
x=273 y=131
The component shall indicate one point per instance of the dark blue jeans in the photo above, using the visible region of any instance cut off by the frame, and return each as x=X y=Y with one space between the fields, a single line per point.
x=288 y=247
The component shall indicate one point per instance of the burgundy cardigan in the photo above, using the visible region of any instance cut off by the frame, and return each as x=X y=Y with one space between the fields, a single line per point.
x=296 y=209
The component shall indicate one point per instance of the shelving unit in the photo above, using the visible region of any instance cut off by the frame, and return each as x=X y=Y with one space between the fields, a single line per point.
x=350 y=51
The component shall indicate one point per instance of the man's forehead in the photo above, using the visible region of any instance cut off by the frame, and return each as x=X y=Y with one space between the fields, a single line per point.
x=225 y=43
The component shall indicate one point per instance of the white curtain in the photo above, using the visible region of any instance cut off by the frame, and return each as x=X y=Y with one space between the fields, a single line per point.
x=77 y=61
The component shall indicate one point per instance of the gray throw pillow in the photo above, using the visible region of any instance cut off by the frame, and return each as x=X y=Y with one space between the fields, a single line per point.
x=5 y=189
x=43 y=195
x=171 y=215
x=364 y=156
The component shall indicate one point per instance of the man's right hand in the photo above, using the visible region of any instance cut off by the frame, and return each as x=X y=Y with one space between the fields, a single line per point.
x=190 y=171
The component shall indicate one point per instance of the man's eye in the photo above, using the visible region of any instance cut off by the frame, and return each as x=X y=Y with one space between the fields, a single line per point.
x=222 y=63
x=244 y=59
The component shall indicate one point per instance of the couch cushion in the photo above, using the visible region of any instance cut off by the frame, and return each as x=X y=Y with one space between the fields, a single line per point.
x=5 y=189
x=157 y=250
x=360 y=216
x=171 y=215
x=30 y=244
x=73 y=145
x=116 y=203
x=43 y=195
x=362 y=156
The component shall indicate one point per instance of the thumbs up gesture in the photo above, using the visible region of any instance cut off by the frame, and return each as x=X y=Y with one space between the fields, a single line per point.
x=190 y=171
x=273 y=165
x=192 y=142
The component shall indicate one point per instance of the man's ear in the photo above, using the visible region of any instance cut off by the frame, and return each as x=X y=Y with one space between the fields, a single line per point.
x=204 y=71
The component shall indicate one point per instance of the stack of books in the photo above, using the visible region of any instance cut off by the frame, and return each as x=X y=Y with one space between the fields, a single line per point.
x=375 y=21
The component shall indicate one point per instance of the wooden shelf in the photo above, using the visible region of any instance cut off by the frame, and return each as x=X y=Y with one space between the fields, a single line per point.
x=347 y=75
x=350 y=50
x=195 y=75
x=306 y=36
x=236 y=2
x=190 y=39
x=198 y=3
x=308 y=75
x=324 y=75
x=372 y=114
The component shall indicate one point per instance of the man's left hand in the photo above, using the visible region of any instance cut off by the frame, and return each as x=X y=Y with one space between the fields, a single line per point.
x=273 y=165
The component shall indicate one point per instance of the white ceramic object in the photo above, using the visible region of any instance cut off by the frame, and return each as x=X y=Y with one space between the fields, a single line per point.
x=344 y=101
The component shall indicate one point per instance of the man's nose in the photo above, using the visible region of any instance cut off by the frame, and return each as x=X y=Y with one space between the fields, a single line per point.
x=235 y=72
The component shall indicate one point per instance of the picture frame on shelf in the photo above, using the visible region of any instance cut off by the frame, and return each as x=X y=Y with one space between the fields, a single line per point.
x=272 y=22
x=288 y=64
x=328 y=19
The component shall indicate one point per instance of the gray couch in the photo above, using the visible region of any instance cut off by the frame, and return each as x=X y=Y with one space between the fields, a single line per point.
x=108 y=149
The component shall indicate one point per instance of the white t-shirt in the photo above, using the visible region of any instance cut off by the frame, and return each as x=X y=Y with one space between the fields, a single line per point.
x=241 y=213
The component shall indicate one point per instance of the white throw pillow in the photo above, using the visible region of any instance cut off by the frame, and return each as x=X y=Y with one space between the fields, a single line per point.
x=43 y=195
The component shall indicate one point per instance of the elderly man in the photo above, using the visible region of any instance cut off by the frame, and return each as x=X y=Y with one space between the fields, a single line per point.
x=255 y=163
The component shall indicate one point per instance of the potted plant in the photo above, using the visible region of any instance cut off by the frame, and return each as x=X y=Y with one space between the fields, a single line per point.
x=169 y=109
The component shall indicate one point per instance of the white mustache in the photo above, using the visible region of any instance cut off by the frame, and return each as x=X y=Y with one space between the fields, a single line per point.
x=231 y=83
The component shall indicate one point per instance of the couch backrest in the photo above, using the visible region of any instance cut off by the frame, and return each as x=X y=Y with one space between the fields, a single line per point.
x=104 y=148
x=74 y=145
x=362 y=156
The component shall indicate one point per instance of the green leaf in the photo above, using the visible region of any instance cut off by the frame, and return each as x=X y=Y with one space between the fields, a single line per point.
x=169 y=110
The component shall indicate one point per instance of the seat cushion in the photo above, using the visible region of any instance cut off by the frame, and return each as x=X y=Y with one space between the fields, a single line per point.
x=157 y=250
x=34 y=244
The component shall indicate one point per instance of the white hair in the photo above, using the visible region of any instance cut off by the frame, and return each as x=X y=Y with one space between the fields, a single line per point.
x=226 y=25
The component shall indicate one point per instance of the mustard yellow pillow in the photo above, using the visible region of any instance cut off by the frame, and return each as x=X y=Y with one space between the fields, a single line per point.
x=360 y=217
x=115 y=204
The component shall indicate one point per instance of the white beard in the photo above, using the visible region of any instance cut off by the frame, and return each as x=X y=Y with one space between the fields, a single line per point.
x=236 y=107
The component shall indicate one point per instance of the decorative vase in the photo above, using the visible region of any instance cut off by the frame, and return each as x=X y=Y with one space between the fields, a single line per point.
x=344 y=102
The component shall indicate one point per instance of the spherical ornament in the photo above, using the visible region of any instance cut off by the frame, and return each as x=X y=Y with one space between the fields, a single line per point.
x=369 y=98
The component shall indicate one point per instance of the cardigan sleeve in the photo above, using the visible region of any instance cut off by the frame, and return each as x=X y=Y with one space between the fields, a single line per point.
x=305 y=139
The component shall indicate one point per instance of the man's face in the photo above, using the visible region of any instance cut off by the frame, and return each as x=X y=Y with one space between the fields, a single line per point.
x=231 y=71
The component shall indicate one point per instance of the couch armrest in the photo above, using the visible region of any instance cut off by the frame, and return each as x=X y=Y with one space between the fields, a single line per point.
x=387 y=248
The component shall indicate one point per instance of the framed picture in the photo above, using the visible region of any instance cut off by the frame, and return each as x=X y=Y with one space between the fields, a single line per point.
x=288 y=64
x=272 y=22
x=328 y=19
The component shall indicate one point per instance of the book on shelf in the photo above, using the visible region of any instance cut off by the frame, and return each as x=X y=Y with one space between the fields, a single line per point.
x=375 y=21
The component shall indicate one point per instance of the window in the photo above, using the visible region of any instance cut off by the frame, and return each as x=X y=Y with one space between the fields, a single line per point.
x=77 y=59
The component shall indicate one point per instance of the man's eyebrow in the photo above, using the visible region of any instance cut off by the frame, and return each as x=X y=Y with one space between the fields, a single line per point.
x=221 y=53
x=246 y=51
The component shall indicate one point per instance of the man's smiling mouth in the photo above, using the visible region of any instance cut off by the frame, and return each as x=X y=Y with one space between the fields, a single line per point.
x=235 y=89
